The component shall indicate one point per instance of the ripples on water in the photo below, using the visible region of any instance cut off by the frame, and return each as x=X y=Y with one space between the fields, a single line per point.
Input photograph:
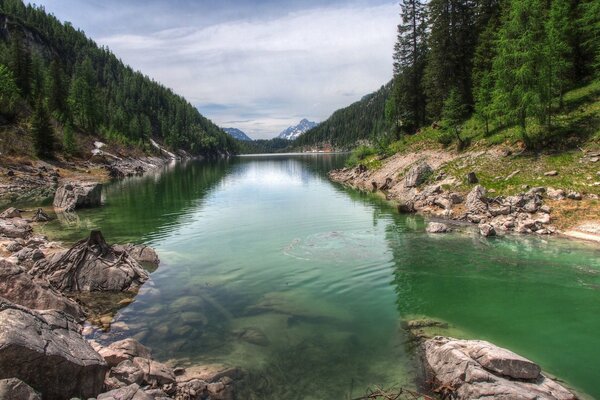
x=268 y=266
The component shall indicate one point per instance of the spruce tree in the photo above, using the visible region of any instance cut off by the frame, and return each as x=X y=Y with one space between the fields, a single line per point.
x=483 y=76
x=57 y=89
x=41 y=129
x=408 y=101
x=453 y=115
x=9 y=92
x=83 y=97
x=21 y=64
x=558 y=52
x=69 y=144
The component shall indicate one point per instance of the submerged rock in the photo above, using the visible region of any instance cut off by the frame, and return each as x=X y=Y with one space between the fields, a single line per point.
x=437 y=227
x=46 y=350
x=487 y=230
x=74 y=195
x=17 y=286
x=474 y=369
x=92 y=265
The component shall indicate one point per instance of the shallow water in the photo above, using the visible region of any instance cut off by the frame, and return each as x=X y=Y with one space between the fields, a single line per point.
x=269 y=266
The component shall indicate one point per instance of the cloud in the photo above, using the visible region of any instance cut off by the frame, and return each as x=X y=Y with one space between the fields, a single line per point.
x=266 y=73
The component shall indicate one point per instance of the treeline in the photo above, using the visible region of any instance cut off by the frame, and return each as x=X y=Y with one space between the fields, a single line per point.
x=260 y=146
x=363 y=120
x=54 y=76
x=506 y=62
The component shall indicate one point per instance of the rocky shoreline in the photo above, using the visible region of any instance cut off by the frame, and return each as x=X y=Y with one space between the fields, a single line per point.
x=44 y=301
x=416 y=185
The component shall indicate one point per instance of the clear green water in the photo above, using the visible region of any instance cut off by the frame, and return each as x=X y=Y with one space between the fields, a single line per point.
x=320 y=278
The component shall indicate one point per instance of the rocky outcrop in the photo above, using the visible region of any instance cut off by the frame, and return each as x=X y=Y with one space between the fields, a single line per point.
x=417 y=175
x=45 y=349
x=475 y=369
x=17 y=286
x=139 y=252
x=73 y=195
x=92 y=265
x=16 y=389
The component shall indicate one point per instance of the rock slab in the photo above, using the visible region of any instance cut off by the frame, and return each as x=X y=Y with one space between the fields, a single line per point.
x=46 y=350
x=73 y=195
x=476 y=369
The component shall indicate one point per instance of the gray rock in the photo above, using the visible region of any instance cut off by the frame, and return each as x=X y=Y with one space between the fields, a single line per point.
x=478 y=369
x=417 y=175
x=15 y=228
x=487 y=230
x=456 y=198
x=437 y=227
x=10 y=213
x=28 y=253
x=92 y=265
x=13 y=247
x=476 y=201
x=139 y=252
x=17 y=286
x=472 y=178
x=574 y=196
x=131 y=392
x=556 y=194
x=46 y=350
x=122 y=350
x=74 y=195
x=16 y=389
x=154 y=373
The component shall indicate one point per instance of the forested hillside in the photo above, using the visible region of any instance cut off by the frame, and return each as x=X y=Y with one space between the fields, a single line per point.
x=57 y=84
x=477 y=68
x=504 y=63
x=363 y=120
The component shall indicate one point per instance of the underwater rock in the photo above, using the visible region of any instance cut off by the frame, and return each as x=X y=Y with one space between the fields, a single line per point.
x=253 y=335
x=437 y=227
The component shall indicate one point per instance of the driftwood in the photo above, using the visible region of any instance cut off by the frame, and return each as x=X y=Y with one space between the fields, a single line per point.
x=93 y=265
x=380 y=393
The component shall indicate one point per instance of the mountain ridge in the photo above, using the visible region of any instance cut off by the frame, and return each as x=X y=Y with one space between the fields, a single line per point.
x=237 y=134
x=295 y=131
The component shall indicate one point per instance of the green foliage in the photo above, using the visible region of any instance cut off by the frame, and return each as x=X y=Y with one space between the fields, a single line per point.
x=42 y=131
x=262 y=146
x=69 y=144
x=9 y=92
x=359 y=155
x=589 y=28
x=83 y=98
x=20 y=64
x=453 y=114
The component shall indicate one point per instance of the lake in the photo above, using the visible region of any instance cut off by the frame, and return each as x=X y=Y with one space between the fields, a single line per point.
x=269 y=266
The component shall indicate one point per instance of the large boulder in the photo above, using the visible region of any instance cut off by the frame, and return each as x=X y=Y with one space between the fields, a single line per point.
x=92 y=265
x=475 y=369
x=141 y=253
x=475 y=201
x=417 y=175
x=437 y=227
x=15 y=228
x=17 y=286
x=11 y=212
x=16 y=389
x=126 y=349
x=46 y=350
x=73 y=195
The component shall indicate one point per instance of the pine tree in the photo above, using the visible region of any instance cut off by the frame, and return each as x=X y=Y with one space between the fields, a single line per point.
x=451 y=47
x=589 y=26
x=57 y=89
x=41 y=129
x=408 y=101
x=9 y=92
x=69 y=144
x=558 y=52
x=21 y=64
x=454 y=114
x=520 y=90
x=83 y=97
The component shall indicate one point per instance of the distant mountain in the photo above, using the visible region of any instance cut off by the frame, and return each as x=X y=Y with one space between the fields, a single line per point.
x=293 y=132
x=237 y=134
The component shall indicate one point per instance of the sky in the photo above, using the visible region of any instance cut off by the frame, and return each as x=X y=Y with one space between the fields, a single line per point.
x=259 y=66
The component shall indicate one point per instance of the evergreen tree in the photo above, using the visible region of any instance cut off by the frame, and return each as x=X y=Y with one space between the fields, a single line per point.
x=21 y=64
x=451 y=47
x=408 y=101
x=589 y=26
x=453 y=115
x=41 y=129
x=57 y=89
x=520 y=90
x=83 y=98
x=69 y=144
x=9 y=92
x=558 y=51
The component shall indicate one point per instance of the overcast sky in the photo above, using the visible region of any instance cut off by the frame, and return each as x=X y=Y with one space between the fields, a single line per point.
x=259 y=66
